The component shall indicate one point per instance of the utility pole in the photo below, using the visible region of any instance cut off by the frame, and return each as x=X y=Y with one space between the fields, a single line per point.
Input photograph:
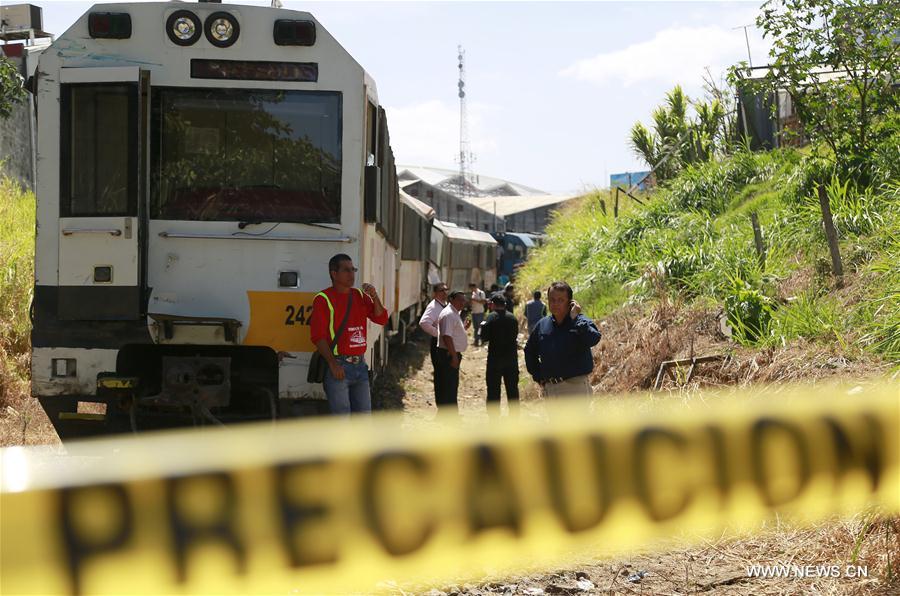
x=746 y=39
x=740 y=102
x=465 y=155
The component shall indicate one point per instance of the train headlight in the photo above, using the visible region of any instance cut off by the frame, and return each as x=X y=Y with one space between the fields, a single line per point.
x=183 y=27
x=221 y=29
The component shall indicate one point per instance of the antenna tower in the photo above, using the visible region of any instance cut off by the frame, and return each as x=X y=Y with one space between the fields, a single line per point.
x=466 y=157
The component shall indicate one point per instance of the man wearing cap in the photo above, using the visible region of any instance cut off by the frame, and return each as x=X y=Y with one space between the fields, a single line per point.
x=347 y=378
x=500 y=331
x=558 y=352
x=429 y=324
x=510 y=297
x=452 y=342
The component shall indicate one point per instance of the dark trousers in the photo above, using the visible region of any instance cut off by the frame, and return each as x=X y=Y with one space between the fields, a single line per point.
x=508 y=371
x=438 y=371
x=446 y=393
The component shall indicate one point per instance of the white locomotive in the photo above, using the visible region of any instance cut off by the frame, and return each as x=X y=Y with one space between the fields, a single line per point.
x=198 y=166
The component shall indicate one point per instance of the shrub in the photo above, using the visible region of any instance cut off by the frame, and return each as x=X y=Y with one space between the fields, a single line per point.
x=16 y=276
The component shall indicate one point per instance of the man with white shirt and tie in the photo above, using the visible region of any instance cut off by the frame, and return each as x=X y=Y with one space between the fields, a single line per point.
x=452 y=342
x=429 y=324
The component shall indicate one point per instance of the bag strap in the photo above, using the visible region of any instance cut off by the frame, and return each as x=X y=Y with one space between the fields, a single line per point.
x=343 y=326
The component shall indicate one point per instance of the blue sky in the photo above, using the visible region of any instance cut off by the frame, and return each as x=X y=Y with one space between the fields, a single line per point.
x=553 y=87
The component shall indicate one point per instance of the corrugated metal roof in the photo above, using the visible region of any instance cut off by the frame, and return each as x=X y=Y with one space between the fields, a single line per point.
x=455 y=232
x=517 y=204
x=417 y=205
x=441 y=177
x=527 y=239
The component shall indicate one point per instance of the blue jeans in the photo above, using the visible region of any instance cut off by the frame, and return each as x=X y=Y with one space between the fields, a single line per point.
x=350 y=395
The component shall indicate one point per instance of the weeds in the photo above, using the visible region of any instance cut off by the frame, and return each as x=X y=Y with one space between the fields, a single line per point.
x=692 y=240
x=16 y=284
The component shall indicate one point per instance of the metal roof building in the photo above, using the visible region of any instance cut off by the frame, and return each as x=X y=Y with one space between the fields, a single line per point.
x=488 y=204
x=477 y=185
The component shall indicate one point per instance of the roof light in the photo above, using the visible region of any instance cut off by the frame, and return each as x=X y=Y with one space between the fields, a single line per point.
x=183 y=27
x=294 y=33
x=221 y=29
x=109 y=25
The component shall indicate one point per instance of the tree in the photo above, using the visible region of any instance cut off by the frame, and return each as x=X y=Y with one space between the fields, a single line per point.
x=838 y=59
x=12 y=89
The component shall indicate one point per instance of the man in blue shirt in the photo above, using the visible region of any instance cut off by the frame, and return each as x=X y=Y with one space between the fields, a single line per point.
x=558 y=352
x=535 y=310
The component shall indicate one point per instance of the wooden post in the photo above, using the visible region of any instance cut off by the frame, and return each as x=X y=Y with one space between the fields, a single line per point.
x=603 y=206
x=831 y=235
x=616 y=204
x=758 y=239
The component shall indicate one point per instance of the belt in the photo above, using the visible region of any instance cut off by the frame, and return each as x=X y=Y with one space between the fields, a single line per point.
x=350 y=359
x=556 y=380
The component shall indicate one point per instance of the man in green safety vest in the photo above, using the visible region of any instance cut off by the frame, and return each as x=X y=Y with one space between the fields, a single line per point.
x=339 y=334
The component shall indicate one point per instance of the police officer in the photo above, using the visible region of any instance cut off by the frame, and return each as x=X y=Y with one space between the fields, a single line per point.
x=500 y=331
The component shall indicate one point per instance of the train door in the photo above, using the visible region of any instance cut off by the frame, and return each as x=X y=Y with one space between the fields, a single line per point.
x=102 y=222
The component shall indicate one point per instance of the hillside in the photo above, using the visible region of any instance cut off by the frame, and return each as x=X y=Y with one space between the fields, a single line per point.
x=680 y=275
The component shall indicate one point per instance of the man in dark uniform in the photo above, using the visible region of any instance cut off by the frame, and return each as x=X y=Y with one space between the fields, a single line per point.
x=499 y=331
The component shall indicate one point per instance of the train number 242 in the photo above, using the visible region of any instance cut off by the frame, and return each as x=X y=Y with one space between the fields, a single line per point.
x=298 y=315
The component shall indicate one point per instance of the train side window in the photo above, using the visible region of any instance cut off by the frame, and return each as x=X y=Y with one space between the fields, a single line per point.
x=372 y=137
x=98 y=156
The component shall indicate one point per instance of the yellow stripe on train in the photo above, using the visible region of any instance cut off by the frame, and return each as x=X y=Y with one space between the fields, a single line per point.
x=336 y=506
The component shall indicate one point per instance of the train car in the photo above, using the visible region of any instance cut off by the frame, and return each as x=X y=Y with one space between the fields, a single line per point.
x=412 y=285
x=198 y=166
x=514 y=250
x=460 y=256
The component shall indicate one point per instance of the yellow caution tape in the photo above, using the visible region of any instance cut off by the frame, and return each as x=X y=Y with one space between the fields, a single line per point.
x=337 y=506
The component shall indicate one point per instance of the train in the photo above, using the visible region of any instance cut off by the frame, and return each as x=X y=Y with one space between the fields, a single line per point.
x=198 y=166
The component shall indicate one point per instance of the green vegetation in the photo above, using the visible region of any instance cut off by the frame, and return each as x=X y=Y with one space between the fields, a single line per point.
x=16 y=273
x=12 y=89
x=677 y=140
x=838 y=60
x=693 y=242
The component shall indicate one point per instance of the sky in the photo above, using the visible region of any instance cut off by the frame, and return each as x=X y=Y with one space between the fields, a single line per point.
x=552 y=87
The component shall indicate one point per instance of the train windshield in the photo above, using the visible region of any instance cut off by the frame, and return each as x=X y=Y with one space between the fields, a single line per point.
x=246 y=155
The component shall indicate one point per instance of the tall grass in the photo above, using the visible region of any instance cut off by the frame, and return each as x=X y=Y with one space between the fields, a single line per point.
x=693 y=241
x=16 y=271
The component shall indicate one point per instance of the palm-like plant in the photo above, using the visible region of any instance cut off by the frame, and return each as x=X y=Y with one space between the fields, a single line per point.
x=677 y=140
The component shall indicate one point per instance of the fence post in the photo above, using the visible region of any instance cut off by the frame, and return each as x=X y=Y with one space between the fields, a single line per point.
x=831 y=235
x=603 y=206
x=758 y=239
x=616 y=204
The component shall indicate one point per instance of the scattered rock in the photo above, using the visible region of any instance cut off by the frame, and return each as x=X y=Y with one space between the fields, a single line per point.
x=635 y=578
x=533 y=591
x=585 y=585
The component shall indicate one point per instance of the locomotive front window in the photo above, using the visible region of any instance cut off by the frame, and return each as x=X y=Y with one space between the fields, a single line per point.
x=98 y=150
x=246 y=155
